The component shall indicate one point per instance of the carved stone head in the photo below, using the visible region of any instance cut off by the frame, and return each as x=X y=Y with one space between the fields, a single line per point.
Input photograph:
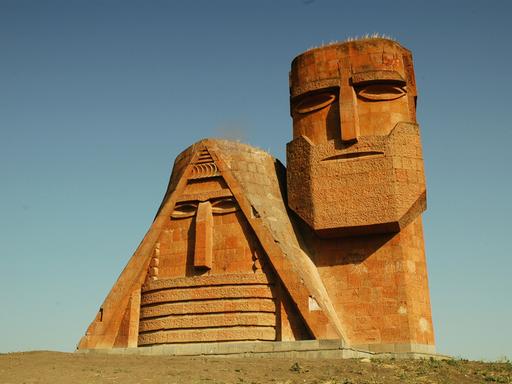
x=355 y=162
x=206 y=232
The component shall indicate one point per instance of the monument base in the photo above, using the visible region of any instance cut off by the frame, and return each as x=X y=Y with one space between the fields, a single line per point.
x=309 y=349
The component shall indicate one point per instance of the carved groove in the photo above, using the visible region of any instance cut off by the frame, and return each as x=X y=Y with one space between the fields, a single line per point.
x=205 y=281
x=208 y=321
x=204 y=157
x=209 y=334
x=208 y=306
x=204 y=293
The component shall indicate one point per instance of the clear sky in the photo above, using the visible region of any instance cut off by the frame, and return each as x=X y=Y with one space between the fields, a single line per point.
x=98 y=97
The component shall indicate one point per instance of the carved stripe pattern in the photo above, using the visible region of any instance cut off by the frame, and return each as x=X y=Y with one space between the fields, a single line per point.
x=204 y=166
x=207 y=309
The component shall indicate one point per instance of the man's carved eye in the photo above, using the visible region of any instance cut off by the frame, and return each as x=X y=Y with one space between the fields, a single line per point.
x=227 y=205
x=380 y=92
x=183 y=210
x=315 y=102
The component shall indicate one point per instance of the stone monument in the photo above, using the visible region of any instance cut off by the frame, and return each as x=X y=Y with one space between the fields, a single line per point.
x=330 y=247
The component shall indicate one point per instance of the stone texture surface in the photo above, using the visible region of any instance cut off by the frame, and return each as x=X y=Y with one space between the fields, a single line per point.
x=355 y=177
x=328 y=250
x=314 y=349
x=355 y=164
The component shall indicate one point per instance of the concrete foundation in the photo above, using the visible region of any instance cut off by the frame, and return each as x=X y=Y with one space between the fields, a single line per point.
x=309 y=349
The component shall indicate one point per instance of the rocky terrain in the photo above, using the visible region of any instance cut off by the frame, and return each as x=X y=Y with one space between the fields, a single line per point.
x=56 y=367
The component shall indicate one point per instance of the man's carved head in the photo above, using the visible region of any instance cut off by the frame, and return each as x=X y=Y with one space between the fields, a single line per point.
x=355 y=163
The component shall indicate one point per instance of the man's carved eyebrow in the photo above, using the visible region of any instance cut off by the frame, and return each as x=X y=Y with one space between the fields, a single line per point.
x=312 y=86
x=360 y=78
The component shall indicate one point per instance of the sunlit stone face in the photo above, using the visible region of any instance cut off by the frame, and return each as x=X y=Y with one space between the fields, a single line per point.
x=206 y=281
x=206 y=233
x=355 y=164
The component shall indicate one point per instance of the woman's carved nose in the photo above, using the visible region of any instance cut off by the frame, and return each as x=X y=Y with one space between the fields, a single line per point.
x=203 y=242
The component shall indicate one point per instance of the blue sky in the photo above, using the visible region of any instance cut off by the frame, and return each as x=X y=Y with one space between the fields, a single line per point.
x=98 y=97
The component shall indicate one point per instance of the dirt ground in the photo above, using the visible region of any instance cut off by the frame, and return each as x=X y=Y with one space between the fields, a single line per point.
x=56 y=367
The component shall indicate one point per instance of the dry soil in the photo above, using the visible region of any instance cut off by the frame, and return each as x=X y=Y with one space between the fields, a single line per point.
x=56 y=367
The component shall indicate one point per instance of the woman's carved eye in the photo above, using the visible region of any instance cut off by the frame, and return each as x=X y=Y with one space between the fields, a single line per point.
x=227 y=205
x=183 y=210
x=378 y=92
x=315 y=102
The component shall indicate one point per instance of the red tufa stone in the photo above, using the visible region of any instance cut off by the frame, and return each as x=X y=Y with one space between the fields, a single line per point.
x=225 y=260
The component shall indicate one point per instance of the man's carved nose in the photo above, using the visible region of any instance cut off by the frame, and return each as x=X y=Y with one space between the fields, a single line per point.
x=203 y=242
x=349 y=125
